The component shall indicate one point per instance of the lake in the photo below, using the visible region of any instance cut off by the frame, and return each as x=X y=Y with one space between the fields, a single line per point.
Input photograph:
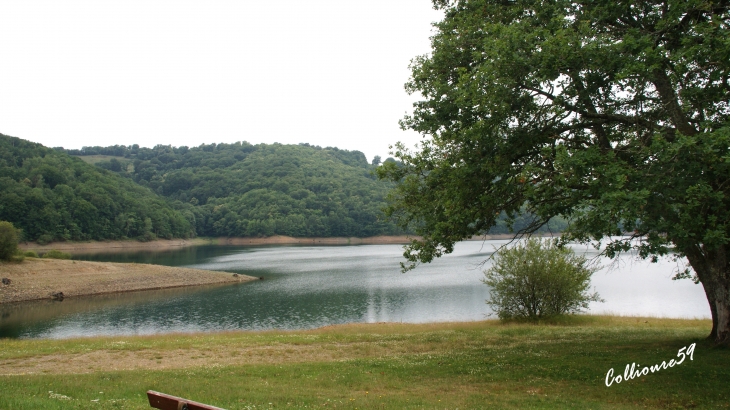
x=312 y=286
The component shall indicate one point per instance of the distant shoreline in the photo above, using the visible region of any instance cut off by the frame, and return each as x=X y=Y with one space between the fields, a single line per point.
x=167 y=244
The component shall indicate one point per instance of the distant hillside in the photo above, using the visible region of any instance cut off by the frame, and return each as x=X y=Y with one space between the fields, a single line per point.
x=233 y=190
x=259 y=190
x=52 y=196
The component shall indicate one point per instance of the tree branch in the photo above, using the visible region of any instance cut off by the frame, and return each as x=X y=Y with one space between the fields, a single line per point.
x=669 y=99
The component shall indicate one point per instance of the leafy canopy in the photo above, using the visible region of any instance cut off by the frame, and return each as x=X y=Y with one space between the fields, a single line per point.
x=242 y=189
x=52 y=196
x=613 y=114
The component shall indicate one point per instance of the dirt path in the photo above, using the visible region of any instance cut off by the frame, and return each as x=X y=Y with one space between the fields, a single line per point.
x=37 y=278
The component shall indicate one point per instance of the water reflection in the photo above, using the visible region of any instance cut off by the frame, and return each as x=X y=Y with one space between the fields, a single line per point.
x=313 y=286
x=32 y=318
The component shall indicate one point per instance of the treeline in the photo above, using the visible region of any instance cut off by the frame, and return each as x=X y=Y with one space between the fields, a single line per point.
x=250 y=190
x=51 y=196
x=235 y=189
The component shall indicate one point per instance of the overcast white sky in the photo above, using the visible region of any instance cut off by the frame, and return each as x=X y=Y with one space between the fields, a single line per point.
x=78 y=73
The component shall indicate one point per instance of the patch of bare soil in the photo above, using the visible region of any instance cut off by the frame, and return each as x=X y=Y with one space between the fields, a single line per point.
x=36 y=278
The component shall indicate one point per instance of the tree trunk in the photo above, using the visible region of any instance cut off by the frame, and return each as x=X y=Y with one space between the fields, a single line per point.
x=722 y=305
x=713 y=310
x=711 y=267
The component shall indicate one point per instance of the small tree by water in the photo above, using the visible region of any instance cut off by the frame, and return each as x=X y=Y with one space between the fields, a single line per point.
x=8 y=240
x=537 y=279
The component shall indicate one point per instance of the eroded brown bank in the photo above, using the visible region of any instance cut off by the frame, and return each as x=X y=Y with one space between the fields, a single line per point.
x=35 y=278
x=162 y=244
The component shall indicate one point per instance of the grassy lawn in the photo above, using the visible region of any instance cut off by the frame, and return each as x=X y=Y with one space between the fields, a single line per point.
x=372 y=366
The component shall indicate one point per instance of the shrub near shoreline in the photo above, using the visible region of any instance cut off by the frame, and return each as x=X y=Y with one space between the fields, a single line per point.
x=8 y=240
x=537 y=279
x=56 y=254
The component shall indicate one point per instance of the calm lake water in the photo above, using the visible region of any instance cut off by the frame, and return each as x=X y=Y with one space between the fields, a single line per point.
x=313 y=286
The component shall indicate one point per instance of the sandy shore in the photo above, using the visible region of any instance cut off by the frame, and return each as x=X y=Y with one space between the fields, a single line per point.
x=35 y=278
x=163 y=244
x=115 y=246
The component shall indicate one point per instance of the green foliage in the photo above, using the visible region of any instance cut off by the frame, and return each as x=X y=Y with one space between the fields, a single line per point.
x=30 y=254
x=215 y=189
x=54 y=197
x=538 y=279
x=261 y=190
x=44 y=239
x=212 y=190
x=612 y=115
x=56 y=254
x=8 y=240
x=18 y=256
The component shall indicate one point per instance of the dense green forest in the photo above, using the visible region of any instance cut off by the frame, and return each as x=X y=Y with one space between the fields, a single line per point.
x=260 y=185
x=258 y=190
x=52 y=196
x=235 y=189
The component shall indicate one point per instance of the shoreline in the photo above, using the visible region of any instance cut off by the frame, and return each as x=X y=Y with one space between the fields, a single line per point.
x=167 y=244
x=39 y=279
x=85 y=278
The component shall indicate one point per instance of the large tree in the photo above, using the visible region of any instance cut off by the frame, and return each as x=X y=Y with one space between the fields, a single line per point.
x=613 y=114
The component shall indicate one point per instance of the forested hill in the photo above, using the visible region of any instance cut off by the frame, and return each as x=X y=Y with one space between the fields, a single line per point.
x=53 y=196
x=175 y=192
x=259 y=190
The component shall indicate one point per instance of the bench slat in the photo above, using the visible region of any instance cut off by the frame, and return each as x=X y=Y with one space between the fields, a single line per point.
x=164 y=401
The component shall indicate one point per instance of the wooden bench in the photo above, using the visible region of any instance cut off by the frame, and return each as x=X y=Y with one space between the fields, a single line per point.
x=164 y=401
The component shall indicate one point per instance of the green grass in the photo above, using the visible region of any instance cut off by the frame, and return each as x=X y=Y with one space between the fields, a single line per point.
x=93 y=159
x=399 y=366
